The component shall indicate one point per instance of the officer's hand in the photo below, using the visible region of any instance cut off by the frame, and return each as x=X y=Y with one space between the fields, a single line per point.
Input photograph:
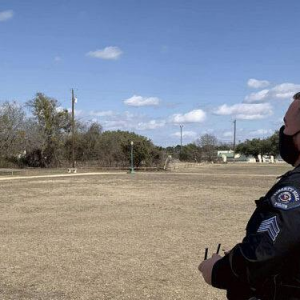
x=206 y=267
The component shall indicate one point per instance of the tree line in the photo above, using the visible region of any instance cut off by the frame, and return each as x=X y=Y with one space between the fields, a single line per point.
x=207 y=146
x=44 y=139
x=268 y=146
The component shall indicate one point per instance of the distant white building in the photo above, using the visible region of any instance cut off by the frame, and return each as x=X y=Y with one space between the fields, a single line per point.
x=230 y=156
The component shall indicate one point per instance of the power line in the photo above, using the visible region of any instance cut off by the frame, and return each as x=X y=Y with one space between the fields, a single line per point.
x=181 y=126
x=234 y=134
x=73 y=129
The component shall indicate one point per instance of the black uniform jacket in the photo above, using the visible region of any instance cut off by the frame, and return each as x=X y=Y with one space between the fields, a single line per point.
x=266 y=264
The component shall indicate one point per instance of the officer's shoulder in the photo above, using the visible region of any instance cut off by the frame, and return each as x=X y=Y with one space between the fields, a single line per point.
x=293 y=174
x=285 y=195
x=291 y=177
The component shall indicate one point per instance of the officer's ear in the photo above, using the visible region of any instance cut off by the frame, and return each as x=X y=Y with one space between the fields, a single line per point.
x=296 y=96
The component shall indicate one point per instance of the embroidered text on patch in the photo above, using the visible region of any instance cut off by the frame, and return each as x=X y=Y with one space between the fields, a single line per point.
x=271 y=227
x=286 y=198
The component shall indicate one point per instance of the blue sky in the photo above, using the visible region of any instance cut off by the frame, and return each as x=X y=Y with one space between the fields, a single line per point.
x=149 y=66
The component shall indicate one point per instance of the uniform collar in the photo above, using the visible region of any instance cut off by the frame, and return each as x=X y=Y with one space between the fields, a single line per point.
x=295 y=170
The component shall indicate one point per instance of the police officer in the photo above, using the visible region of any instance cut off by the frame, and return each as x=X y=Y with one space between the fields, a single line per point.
x=266 y=264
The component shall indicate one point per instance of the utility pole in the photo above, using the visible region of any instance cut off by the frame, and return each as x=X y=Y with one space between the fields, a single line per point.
x=181 y=126
x=131 y=158
x=234 y=133
x=73 y=129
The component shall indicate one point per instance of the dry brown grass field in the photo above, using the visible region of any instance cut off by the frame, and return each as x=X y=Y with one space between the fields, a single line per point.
x=122 y=236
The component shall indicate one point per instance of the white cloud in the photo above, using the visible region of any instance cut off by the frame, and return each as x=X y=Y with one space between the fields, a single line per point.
x=77 y=112
x=60 y=109
x=188 y=134
x=246 y=111
x=118 y=121
x=142 y=101
x=258 y=97
x=126 y=121
x=194 y=116
x=116 y=125
x=108 y=53
x=285 y=90
x=280 y=91
x=101 y=113
x=228 y=134
x=257 y=84
x=261 y=132
x=6 y=15
x=153 y=124
x=57 y=59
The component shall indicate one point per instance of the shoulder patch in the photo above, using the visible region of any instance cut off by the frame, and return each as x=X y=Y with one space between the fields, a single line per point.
x=271 y=227
x=286 y=198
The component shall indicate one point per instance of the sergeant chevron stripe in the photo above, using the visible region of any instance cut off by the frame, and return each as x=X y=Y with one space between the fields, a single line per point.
x=271 y=227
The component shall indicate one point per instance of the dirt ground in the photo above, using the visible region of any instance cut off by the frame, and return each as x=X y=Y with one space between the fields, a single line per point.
x=122 y=236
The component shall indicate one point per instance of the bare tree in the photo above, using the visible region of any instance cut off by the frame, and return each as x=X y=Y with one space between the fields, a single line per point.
x=12 y=131
x=208 y=144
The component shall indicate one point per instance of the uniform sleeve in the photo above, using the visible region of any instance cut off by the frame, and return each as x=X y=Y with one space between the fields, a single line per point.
x=272 y=240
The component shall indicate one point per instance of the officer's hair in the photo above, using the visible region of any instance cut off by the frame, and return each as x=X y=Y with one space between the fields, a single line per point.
x=297 y=96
